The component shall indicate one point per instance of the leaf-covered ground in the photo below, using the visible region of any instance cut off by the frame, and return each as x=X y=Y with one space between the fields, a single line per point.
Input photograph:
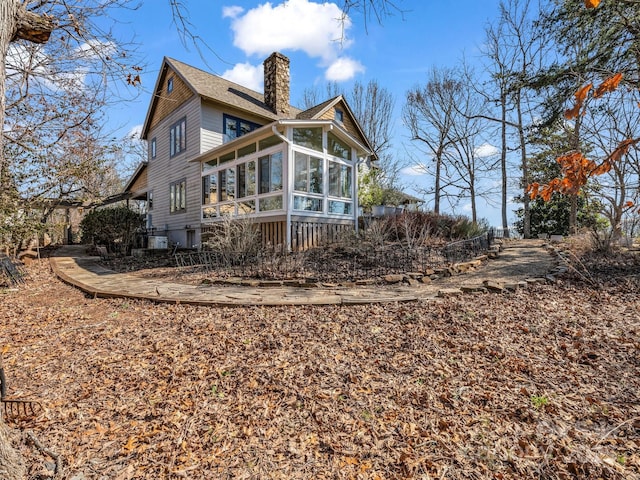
x=543 y=383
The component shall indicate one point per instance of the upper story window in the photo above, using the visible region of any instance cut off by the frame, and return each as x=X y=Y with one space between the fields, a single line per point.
x=152 y=148
x=178 y=137
x=170 y=85
x=337 y=147
x=236 y=127
x=339 y=115
x=308 y=137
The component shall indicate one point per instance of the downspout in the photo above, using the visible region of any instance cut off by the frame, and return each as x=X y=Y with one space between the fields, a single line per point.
x=289 y=183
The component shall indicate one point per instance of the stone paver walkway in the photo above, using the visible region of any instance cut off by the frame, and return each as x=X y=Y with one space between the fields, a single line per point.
x=72 y=264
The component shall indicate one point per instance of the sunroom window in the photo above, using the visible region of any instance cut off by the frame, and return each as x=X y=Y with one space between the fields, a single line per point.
x=270 y=172
x=308 y=173
x=308 y=137
x=337 y=147
x=340 y=182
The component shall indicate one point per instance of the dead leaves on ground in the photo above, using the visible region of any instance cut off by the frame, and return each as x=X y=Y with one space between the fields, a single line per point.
x=542 y=384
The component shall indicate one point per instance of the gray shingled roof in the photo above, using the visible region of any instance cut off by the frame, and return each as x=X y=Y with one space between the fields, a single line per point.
x=223 y=91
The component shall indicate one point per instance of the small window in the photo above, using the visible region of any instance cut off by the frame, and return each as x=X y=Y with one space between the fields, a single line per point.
x=339 y=116
x=178 y=137
x=270 y=203
x=150 y=200
x=269 y=142
x=170 y=85
x=178 y=196
x=153 y=147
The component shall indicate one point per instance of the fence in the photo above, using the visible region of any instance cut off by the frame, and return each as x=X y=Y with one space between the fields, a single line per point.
x=336 y=262
x=11 y=271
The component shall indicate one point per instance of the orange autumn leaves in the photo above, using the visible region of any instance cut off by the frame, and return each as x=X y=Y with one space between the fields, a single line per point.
x=591 y=3
x=609 y=85
x=576 y=168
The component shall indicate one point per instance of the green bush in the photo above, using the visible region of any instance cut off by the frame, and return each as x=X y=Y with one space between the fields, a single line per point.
x=114 y=227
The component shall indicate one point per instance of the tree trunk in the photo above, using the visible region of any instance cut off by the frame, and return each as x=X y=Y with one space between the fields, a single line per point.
x=436 y=201
x=8 y=14
x=11 y=463
x=15 y=23
x=573 y=215
x=524 y=165
x=503 y=162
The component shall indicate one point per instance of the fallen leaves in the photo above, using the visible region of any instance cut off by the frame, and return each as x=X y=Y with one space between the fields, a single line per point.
x=539 y=384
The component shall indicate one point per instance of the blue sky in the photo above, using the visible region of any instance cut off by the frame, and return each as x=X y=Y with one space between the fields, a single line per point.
x=239 y=34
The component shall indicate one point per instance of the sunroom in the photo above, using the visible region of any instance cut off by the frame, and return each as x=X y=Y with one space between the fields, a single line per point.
x=297 y=179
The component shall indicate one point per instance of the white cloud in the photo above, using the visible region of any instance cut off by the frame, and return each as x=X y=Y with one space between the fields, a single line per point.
x=486 y=150
x=231 y=11
x=247 y=75
x=135 y=132
x=317 y=29
x=343 y=69
x=414 y=170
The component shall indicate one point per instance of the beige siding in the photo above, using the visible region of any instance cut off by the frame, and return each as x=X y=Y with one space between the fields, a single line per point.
x=163 y=170
x=211 y=131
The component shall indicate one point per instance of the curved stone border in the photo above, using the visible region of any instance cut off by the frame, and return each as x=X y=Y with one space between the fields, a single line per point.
x=489 y=286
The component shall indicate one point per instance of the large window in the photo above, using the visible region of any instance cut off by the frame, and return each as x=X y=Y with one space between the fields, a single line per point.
x=227 y=184
x=210 y=189
x=178 y=196
x=340 y=183
x=246 y=179
x=178 y=137
x=236 y=127
x=270 y=173
x=308 y=173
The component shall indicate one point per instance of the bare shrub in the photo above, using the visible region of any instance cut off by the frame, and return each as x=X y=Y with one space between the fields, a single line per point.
x=235 y=239
x=378 y=232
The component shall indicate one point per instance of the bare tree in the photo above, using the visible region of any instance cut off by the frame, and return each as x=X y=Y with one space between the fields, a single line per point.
x=514 y=51
x=615 y=120
x=430 y=113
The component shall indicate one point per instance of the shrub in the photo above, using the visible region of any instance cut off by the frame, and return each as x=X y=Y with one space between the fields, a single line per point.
x=418 y=228
x=235 y=239
x=114 y=227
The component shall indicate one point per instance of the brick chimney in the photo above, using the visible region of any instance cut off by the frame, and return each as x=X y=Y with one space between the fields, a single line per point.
x=276 y=83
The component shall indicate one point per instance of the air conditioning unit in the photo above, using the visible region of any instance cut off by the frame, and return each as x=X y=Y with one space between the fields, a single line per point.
x=156 y=242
